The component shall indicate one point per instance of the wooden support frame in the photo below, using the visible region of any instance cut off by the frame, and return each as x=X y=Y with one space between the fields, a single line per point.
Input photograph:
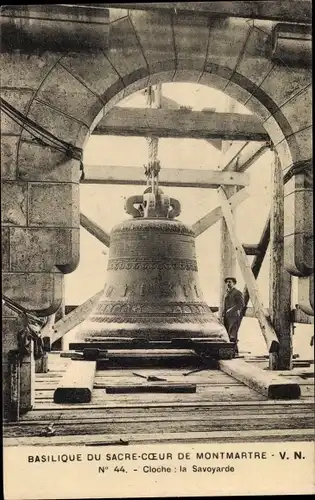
x=95 y=230
x=27 y=381
x=239 y=158
x=133 y=122
x=259 y=258
x=77 y=383
x=178 y=177
x=280 y=279
x=267 y=331
x=75 y=317
x=270 y=385
x=215 y=215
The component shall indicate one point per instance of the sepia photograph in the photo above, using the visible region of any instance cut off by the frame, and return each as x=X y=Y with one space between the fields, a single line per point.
x=157 y=249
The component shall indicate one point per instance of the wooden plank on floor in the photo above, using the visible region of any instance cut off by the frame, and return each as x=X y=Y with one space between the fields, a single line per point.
x=213 y=435
x=151 y=388
x=161 y=417
x=167 y=425
x=266 y=383
x=204 y=393
x=132 y=412
x=167 y=437
x=114 y=405
x=77 y=383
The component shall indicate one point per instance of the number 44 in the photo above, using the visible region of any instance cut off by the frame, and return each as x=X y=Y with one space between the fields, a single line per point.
x=119 y=469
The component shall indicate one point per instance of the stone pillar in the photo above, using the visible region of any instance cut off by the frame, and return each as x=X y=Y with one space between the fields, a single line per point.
x=40 y=220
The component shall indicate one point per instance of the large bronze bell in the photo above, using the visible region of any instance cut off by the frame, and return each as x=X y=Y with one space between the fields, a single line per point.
x=152 y=290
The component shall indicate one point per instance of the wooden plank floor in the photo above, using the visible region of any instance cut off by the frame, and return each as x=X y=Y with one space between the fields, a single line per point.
x=222 y=409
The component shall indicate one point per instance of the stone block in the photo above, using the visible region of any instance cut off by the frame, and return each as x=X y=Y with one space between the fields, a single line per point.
x=113 y=100
x=116 y=14
x=20 y=100
x=41 y=292
x=44 y=249
x=192 y=75
x=298 y=111
x=137 y=85
x=301 y=144
x=53 y=204
x=26 y=70
x=283 y=82
x=10 y=329
x=255 y=62
x=162 y=76
x=125 y=52
x=306 y=294
x=213 y=80
x=156 y=36
x=9 y=157
x=226 y=41
x=94 y=70
x=5 y=248
x=272 y=127
x=238 y=93
x=298 y=230
x=284 y=153
x=258 y=107
x=67 y=94
x=298 y=254
x=187 y=44
x=57 y=123
x=39 y=163
x=14 y=203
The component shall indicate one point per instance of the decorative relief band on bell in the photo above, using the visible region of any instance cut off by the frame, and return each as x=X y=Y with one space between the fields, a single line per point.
x=180 y=265
x=153 y=309
x=155 y=319
x=143 y=224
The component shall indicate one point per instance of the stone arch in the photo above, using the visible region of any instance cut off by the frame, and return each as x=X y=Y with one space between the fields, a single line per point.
x=68 y=93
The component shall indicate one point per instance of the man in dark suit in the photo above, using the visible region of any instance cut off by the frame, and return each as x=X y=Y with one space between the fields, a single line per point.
x=232 y=310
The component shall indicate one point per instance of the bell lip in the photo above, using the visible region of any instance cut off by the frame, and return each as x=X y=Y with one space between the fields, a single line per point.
x=155 y=332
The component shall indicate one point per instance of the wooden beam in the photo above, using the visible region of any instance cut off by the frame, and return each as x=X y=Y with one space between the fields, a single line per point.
x=240 y=157
x=75 y=317
x=154 y=388
x=27 y=381
x=95 y=230
x=251 y=249
x=77 y=383
x=267 y=331
x=181 y=177
x=227 y=254
x=279 y=278
x=259 y=258
x=284 y=11
x=15 y=384
x=181 y=124
x=262 y=381
x=215 y=215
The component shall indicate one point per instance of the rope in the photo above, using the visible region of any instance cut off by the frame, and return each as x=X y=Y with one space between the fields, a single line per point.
x=41 y=135
x=30 y=331
x=153 y=168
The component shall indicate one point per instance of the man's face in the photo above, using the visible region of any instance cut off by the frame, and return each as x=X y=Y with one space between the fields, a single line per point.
x=229 y=284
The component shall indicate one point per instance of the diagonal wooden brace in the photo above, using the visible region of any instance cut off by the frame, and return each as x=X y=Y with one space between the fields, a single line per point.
x=216 y=214
x=266 y=329
x=95 y=230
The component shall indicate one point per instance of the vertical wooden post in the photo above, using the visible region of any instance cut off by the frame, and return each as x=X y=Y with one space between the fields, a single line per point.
x=27 y=381
x=58 y=345
x=227 y=253
x=280 y=279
